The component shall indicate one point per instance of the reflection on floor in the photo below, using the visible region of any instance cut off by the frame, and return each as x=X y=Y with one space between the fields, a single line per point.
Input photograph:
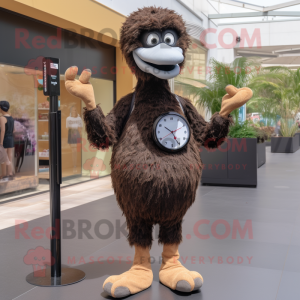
x=235 y=264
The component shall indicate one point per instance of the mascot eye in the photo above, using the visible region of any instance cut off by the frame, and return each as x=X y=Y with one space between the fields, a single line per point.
x=152 y=39
x=169 y=39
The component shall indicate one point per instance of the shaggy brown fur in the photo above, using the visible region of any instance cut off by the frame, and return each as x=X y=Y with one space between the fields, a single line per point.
x=152 y=186
x=145 y=19
x=103 y=131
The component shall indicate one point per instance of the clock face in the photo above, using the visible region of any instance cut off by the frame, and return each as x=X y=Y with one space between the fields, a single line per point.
x=171 y=132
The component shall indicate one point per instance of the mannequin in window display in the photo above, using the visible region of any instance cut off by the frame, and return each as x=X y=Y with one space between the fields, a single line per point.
x=74 y=126
x=156 y=166
x=6 y=139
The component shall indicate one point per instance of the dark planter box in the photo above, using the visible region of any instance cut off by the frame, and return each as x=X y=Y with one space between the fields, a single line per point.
x=233 y=163
x=298 y=134
x=284 y=144
x=261 y=154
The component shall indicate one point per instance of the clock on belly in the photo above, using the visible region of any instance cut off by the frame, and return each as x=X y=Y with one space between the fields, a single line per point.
x=171 y=132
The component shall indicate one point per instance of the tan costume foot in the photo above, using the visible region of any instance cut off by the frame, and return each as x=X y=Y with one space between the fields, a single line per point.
x=137 y=279
x=174 y=275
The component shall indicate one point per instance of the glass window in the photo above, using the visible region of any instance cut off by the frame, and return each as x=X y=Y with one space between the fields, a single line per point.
x=18 y=88
x=80 y=160
x=29 y=108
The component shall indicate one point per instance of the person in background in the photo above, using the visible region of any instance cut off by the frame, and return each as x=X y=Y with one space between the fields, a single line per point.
x=6 y=137
x=277 y=128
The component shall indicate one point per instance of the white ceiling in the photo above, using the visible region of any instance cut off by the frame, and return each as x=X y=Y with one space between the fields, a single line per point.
x=286 y=55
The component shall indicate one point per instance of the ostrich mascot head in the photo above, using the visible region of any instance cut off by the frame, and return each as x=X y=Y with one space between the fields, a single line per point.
x=154 y=42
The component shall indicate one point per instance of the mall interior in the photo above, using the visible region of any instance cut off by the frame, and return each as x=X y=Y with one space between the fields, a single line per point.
x=242 y=232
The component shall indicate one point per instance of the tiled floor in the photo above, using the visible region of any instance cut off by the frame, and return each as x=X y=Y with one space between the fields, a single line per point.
x=263 y=267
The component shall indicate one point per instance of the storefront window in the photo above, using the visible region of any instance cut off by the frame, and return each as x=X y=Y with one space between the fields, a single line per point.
x=29 y=109
x=18 y=89
x=78 y=157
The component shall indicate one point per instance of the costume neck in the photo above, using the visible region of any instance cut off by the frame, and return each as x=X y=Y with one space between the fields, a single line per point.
x=153 y=88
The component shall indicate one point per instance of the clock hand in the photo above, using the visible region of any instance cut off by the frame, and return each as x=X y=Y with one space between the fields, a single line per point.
x=173 y=135
x=167 y=135
x=178 y=129
x=176 y=140
x=171 y=131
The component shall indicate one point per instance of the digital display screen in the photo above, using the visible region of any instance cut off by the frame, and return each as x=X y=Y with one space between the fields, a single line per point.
x=51 y=80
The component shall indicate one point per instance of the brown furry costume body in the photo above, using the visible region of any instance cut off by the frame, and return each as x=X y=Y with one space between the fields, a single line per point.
x=151 y=185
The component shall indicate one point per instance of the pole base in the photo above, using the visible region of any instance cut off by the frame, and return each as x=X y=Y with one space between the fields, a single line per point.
x=43 y=277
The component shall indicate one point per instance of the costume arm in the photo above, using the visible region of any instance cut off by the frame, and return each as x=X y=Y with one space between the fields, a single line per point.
x=209 y=134
x=102 y=131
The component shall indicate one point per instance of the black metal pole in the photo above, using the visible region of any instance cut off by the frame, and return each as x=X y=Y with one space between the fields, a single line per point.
x=56 y=276
x=54 y=191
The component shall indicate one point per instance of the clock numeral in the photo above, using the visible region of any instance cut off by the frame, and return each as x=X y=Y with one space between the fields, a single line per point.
x=171 y=118
x=184 y=138
x=159 y=125
x=165 y=120
x=184 y=132
x=160 y=138
x=172 y=145
x=159 y=132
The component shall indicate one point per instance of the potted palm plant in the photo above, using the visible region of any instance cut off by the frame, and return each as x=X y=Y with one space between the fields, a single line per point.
x=277 y=93
x=209 y=95
x=288 y=142
x=235 y=161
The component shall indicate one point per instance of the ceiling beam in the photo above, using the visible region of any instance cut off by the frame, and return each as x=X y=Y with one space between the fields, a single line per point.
x=291 y=66
x=241 y=4
x=255 y=14
x=255 y=53
x=286 y=50
x=282 y=5
x=257 y=7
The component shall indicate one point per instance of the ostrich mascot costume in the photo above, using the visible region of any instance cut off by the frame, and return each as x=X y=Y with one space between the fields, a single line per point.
x=156 y=166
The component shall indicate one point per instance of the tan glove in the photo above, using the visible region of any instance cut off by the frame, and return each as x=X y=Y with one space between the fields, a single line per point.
x=80 y=88
x=234 y=98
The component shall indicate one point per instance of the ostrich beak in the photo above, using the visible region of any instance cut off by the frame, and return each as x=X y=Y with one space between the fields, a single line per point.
x=161 y=61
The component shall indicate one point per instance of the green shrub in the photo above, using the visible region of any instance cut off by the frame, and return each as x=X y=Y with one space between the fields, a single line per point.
x=286 y=129
x=242 y=130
